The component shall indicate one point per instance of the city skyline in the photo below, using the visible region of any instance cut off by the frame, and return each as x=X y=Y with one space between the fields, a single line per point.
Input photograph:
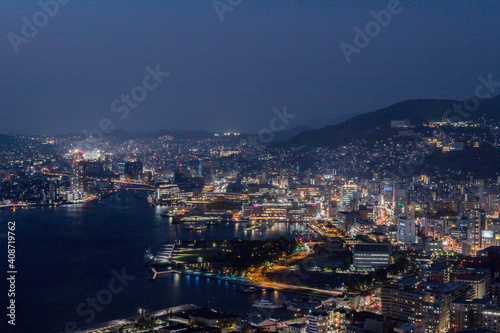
x=250 y=166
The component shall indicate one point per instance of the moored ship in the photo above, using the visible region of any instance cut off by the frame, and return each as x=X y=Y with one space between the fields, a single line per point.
x=265 y=304
x=196 y=227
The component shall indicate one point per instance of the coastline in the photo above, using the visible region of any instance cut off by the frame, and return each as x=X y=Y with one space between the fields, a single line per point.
x=121 y=322
x=299 y=290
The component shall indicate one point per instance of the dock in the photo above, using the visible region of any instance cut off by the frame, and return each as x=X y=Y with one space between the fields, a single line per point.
x=155 y=273
x=164 y=254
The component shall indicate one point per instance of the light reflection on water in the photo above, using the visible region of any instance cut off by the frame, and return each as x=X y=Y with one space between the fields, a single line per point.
x=66 y=254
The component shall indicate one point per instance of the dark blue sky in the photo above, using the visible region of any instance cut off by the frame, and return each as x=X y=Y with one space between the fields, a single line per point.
x=229 y=75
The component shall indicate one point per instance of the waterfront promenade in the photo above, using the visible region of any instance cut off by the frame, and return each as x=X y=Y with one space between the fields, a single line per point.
x=264 y=285
x=120 y=322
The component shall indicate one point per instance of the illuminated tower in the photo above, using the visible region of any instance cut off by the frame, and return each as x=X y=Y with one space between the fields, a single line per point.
x=474 y=227
x=78 y=174
x=407 y=232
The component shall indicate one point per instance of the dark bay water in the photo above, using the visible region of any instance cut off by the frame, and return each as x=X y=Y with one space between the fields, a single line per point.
x=66 y=254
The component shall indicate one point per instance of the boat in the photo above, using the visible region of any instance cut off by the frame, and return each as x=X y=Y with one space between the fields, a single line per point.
x=252 y=227
x=249 y=290
x=213 y=222
x=200 y=227
x=148 y=256
x=300 y=299
x=151 y=200
x=174 y=211
x=265 y=304
x=196 y=227
x=292 y=307
x=168 y=213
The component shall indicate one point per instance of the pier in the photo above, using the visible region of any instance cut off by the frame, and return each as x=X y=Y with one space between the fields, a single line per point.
x=168 y=272
x=164 y=254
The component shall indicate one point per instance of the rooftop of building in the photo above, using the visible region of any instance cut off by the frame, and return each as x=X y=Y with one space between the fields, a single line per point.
x=472 y=301
x=470 y=277
x=492 y=250
x=437 y=269
x=372 y=247
x=176 y=327
x=476 y=330
x=365 y=222
x=452 y=285
x=408 y=281
x=319 y=312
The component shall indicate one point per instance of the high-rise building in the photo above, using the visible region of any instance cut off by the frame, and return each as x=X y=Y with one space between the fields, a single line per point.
x=434 y=319
x=78 y=175
x=467 y=313
x=491 y=319
x=407 y=231
x=399 y=194
x=348 y=193
x=133 y=169
x=437 y=317
x=475 y=224
x=346 y=220
x=405 y=305
x=492 y=254
x=434 y=228
x=426 y=305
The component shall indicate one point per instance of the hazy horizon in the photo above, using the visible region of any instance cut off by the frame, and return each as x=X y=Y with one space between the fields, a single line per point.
x=228 y=75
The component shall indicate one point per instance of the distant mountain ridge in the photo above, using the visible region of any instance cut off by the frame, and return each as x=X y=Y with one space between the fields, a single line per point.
x=309 y=124
x=179 y=134
x=376 y=124
x=124 y=135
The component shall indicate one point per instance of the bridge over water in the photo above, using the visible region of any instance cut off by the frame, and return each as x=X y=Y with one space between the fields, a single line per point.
x=123 y=185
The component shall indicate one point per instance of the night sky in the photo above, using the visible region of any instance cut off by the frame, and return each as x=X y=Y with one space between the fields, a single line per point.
x=230 y=74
